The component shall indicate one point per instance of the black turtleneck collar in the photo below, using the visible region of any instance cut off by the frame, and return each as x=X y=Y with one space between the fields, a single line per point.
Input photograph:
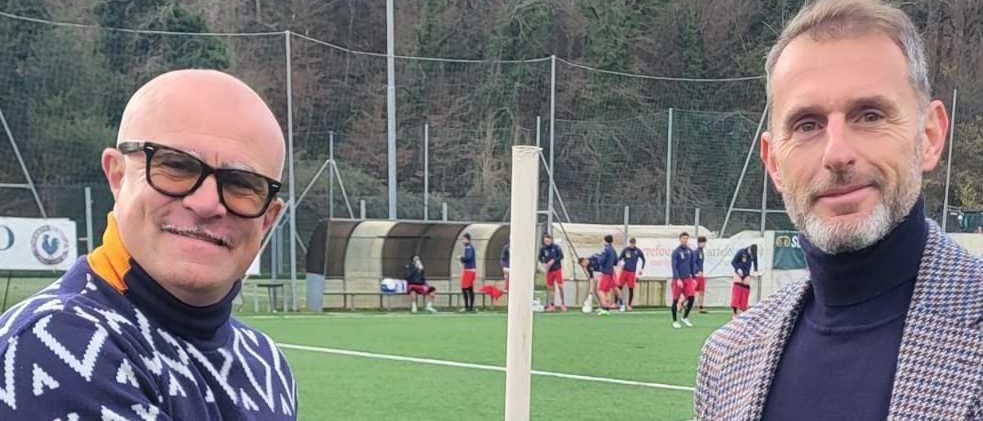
x=847 y=279
x=852 y=322
x=207 y=327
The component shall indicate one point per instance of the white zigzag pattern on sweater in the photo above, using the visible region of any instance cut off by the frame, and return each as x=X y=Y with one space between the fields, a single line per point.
x=85 y=365
x=168 y=359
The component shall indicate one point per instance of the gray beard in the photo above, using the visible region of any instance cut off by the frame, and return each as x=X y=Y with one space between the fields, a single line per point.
x=843 y=237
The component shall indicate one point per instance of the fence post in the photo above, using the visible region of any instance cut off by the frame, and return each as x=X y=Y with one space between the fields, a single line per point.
x=331 y=176
x=90 y=239
x=391 y=105
x=293 y=184
x=549 y=200
x=948 y=161
x=426 y=172
x=627 y=210
x=764 y=200
x=669 y=170
x=696 y=222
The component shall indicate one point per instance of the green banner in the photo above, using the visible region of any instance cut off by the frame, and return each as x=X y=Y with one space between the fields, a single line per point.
x=788 y=254
x=972 y=222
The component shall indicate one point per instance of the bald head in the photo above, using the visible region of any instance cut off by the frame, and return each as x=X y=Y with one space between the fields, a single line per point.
x=208 y=113
x=193 y=244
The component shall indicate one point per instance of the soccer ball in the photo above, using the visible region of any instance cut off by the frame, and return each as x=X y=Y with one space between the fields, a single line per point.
x=587 y=307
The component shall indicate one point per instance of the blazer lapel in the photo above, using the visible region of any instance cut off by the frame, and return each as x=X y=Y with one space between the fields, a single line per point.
x=755 y=359
x=940 y=362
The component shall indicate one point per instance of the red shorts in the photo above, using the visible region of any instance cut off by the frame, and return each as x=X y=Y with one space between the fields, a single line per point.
x=627 y=278
x=739 y=294
x=420 y=289
x=687 y=290
x=605 y=282
x=701 y=284
x=467 y=278
x=554 y=277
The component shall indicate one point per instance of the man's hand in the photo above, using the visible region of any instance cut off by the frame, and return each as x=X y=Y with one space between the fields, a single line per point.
x=550 y=263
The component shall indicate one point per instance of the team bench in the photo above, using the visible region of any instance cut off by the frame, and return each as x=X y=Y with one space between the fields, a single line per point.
x=385 y=299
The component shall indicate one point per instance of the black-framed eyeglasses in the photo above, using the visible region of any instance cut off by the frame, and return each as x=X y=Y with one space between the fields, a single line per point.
x=176 y=173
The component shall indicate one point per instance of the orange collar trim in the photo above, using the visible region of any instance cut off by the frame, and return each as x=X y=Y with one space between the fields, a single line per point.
x=111 y=261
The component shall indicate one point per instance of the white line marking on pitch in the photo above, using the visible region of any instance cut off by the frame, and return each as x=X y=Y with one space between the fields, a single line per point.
x=480 y=367
x=330 y=316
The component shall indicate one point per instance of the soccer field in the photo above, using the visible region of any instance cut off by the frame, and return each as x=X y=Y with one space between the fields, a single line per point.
x=450 y=366
x=626 y=366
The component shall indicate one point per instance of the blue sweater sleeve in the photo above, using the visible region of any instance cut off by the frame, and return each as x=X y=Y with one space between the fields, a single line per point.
x=677 y=262
x=66 y=367
x=694 y=265
x=641 y=256
x=468 y=258
x=611 y=259
x=736 y=261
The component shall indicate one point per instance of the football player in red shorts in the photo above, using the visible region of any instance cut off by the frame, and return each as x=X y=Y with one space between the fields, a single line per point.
x=701 y=281
x=416 y=283
x=630 y=270
x=740 y=292
x=606 y=282
x=551 y=257
x=468 y=273
x=683 y=284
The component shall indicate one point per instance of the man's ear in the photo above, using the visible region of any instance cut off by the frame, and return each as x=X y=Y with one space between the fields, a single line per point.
x=114 y=166
x=271 y=214
x=936 y=129
x=771 y=164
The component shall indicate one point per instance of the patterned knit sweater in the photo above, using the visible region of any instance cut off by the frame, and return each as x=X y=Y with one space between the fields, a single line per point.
x=107 y=342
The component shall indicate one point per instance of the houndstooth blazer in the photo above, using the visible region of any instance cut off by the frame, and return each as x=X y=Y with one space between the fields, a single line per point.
x=940 y=363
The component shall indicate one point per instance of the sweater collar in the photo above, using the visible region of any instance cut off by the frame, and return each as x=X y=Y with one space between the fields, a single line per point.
x=850 y=278
x=207 y=326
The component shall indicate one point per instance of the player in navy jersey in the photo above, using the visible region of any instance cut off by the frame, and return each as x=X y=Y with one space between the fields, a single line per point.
x=701 y=281
x=468 y=272
x=416 y=283
x=504 y=260
x=630 y=270
x=606 y=284
x=551 y=257
x=683 y=284
x=740 y=292
x=591 y=265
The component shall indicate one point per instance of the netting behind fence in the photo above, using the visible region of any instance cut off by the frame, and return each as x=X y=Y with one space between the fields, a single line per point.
x=614 y=140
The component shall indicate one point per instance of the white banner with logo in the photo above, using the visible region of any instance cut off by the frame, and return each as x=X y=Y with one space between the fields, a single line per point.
x=717 y=255
x=37 y=244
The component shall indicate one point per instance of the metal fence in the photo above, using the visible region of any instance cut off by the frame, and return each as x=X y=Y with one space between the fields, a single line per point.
x=668 y=148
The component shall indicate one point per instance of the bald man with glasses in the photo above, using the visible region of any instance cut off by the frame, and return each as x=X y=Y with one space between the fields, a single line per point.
x=142 y=327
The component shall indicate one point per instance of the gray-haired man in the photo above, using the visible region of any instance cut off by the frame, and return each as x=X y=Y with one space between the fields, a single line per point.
x=889 y=324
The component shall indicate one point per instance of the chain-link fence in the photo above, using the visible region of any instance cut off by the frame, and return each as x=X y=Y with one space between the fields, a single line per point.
x=664 y=147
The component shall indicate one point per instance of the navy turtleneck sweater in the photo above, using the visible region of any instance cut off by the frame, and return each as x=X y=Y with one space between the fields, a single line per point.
x=840 y=360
